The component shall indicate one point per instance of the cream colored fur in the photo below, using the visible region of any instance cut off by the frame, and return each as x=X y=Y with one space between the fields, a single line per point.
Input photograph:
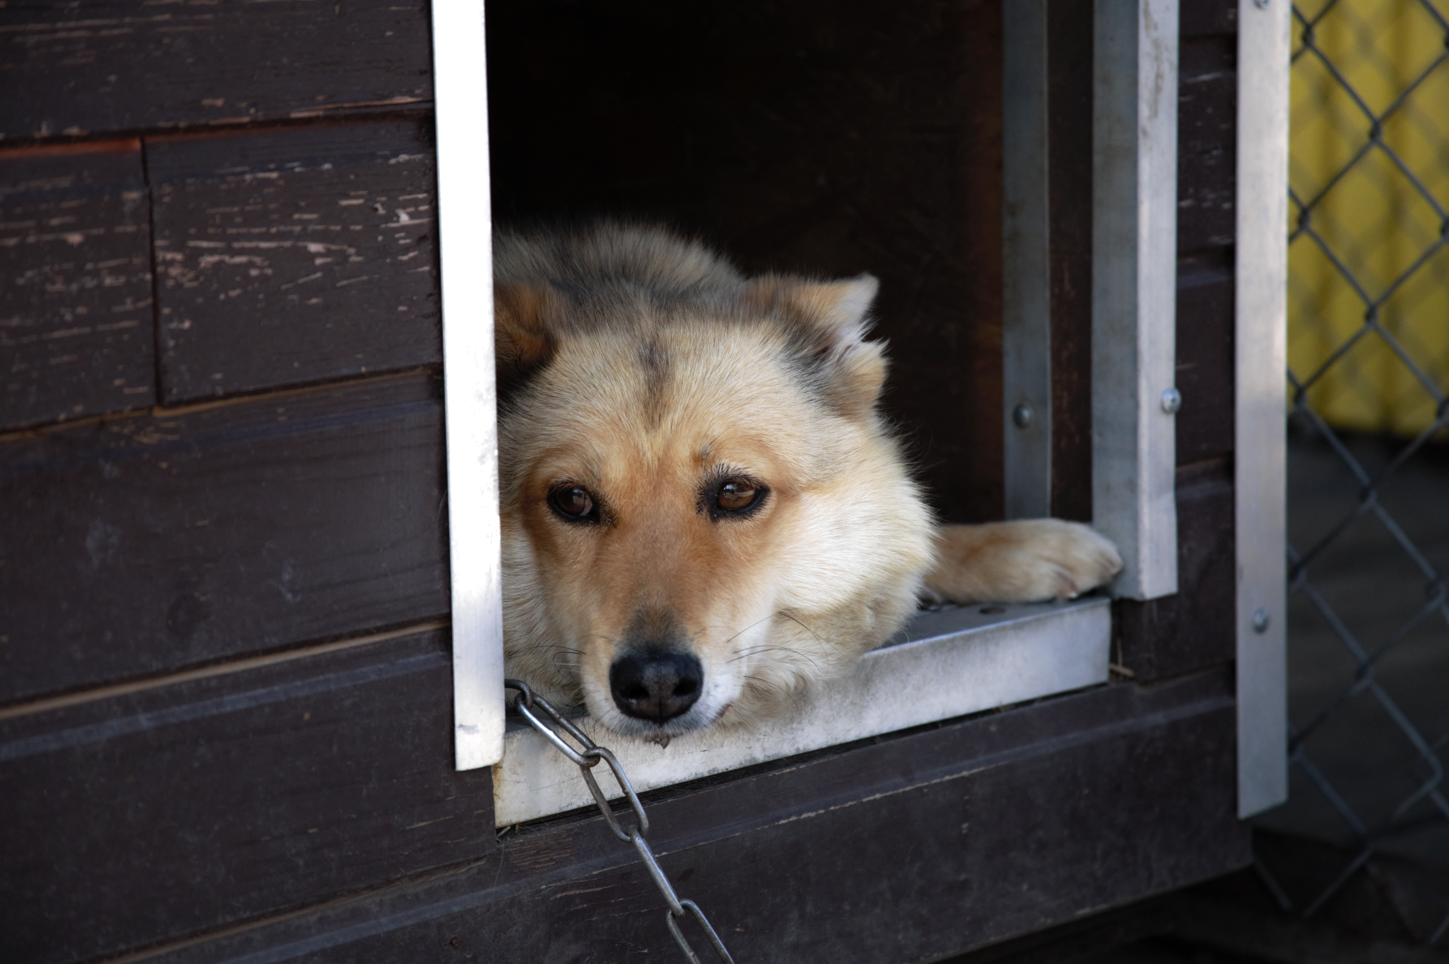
x=643 y=370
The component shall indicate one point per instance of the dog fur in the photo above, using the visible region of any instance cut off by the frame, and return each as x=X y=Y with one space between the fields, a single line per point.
x=703 y=513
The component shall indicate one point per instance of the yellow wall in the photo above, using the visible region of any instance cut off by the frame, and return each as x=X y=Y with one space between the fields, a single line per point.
x=1373 y=219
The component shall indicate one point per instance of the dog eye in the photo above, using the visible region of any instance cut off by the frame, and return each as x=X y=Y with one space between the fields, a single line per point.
x=738 y=495
x=573 y=503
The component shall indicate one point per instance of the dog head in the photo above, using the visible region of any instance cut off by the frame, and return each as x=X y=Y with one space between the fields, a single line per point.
x=702 y=511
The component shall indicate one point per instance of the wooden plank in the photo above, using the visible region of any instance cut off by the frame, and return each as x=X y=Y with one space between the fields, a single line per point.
x=904 y=849
x=294 y=255
x=151 y=814
x=94 y=66
x=1199 y=18
x=140 y=545
x=1207 y=93
x=1193 y=629
x=868 y=139
x=941 y=248
x=1206 y=146
x=1205 y=336
x=1069 y=79
x=76 y=331
x=1080 y=940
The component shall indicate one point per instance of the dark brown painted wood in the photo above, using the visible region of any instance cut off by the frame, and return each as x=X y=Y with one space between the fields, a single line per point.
x=76 y=330
x=1081 y=940
x=1196 y=627
x=1206 y=104
x=128 y=65
x=906 y=848
x=143 y=544
x=294 y=255
x=1206 y=148
x=1069 y=102
x=152 y=814
x=817 y=137
x=1205 y=356
x=820 y=137
x=1198 y=18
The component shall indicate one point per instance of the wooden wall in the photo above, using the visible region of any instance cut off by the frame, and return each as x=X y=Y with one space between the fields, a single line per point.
x=224 y=668
x=1195 y=629
x=225 y=694
x=821 y=137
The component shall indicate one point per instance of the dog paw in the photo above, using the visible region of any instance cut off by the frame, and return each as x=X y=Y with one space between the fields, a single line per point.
x=1074 y=557
x=1026 y=561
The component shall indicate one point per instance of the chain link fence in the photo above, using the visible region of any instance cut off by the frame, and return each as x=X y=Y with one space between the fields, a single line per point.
x=1369 y=444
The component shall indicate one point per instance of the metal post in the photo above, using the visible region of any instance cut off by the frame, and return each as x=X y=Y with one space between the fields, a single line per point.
x=1026 y=257
x=466 y=258
x=1261 y=405
x=1134 y=279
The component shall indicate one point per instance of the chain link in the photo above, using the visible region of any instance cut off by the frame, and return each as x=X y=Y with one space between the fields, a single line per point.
x=1370 y=231
x=530 y=706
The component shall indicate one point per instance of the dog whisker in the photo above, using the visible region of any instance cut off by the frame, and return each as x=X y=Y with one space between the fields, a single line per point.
x=748 y=628
x=740 y=654
x=766 y=648
x=604 y=502
x=796 y=620
x=766 y=684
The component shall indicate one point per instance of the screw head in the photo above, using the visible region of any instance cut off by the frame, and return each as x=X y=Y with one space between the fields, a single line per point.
x=1171 y=401
x=1261 y=619
x=1023 y=415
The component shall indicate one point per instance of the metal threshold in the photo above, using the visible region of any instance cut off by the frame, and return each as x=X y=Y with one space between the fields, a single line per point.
x=944 y=664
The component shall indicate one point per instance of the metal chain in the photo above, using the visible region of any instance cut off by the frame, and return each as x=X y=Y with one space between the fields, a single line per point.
x=586 y=758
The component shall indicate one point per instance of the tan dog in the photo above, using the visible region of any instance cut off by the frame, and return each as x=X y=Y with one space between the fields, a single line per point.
x=703 y=512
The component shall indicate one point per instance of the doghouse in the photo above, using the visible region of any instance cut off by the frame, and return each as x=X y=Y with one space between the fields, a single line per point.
x=245 y=549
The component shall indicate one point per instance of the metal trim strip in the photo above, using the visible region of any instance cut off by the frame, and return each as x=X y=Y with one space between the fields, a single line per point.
x=946 y=665
x=1264 y=37
x=1134 y=289
x=465 y=254
x=1026 y=330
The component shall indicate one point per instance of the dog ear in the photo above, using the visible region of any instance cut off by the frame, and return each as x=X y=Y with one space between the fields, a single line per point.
x=522 y=342
x=834 y=317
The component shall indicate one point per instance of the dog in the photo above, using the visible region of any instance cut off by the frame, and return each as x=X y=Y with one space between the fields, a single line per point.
x=703 y=512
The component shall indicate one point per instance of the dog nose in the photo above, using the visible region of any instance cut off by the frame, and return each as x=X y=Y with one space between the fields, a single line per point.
x=655 y=685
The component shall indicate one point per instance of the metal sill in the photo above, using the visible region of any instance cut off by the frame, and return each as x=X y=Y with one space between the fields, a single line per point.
x=942 y=665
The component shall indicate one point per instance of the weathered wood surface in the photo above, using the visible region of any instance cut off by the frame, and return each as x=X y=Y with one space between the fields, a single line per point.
x=1207 y=99
x=144 y=544
x=294 y=255
x=1078 y=940
x=76 y=335
x=1207 y=95
x=1195 y=628
x=853 y=138
x=146 y=815
x=95 y=66
x=1205 y=358
x=1206 y=146
x=1069 y=165
x=1204 y=18
x=810 y=136
x=905 y=849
